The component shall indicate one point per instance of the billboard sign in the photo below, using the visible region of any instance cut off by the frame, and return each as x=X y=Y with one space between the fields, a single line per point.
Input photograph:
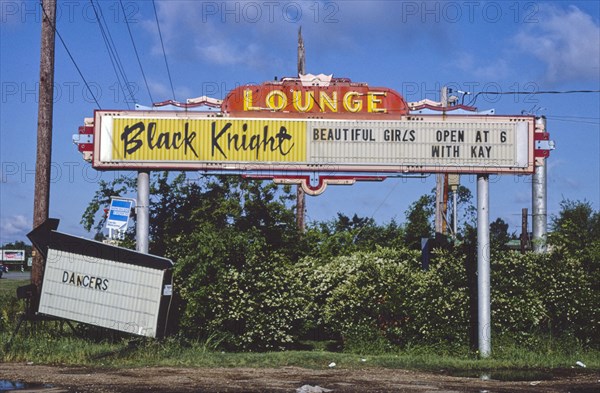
x=419 y=144
x=102 y=285
x=13 y=255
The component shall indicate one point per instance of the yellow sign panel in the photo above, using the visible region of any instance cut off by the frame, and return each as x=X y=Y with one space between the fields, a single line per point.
x=180 y=139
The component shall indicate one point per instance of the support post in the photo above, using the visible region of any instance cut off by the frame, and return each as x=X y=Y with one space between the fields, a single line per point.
x=41 y=202
x=484 y=325
x=538 y=198
x=143 y=212
x=454 y=214
x=439 y=189
x=300 y=196
x=524 y=226
x=453 y=184
x=441 y=196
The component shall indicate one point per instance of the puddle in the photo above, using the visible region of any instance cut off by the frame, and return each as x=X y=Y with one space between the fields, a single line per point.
x=9 y=386
x=505 y=375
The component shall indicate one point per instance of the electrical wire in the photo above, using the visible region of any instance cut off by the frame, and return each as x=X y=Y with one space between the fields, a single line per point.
x=117 y=58
x=576 y=119
x=472 y=102
x=71 y=57
x=108 y=48
x=135 y=50
x=112 y=53
x=163 y=49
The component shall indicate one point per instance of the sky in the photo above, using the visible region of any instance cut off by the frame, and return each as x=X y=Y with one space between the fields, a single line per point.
x=212 y=47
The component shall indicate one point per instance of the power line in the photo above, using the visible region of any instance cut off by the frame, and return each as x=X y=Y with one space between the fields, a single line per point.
x=135 y=50
x=163 y=49
x=71 y=57
x=574 y=119
x=117 y=58
x=112 y=53
x=472 y=102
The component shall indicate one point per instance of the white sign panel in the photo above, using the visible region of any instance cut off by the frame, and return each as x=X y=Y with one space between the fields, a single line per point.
x=102 y=292
x=424 y=144
x=118 y=214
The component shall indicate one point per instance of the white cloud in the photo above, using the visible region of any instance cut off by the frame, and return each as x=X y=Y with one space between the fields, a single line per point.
x=219 y=33
x=14 y=227
x=567 y=41
x=162 y=92
x=480 y=68
x=263 y=34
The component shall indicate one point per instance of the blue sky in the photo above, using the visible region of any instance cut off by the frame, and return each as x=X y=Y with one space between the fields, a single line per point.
x=411 y=46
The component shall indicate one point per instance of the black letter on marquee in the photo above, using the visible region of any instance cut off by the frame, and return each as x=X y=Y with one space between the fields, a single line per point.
x=215 y=138
x=136 y=130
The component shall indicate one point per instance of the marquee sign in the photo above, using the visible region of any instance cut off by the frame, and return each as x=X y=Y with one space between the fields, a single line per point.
x=423 y=144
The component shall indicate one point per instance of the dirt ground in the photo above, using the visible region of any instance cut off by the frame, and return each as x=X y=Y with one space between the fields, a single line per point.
x=286 y=379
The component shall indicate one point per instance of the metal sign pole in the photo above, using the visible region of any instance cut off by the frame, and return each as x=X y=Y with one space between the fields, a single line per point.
x=300 y=197
x=143 y=212
x=483 y=266
x=539 y=200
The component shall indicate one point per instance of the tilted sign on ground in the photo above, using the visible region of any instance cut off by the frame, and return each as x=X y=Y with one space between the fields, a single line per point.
x=102 y=285
x=413 y=144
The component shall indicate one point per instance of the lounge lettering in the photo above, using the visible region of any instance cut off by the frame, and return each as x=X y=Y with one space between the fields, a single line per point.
x=326 y=102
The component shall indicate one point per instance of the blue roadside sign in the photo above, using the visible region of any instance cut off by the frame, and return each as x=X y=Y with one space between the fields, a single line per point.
x=118 y=214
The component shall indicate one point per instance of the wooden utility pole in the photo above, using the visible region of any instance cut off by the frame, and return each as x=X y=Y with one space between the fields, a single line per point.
x=524 y=234
x=300 y=197
x=441 y=184
x=44 y=134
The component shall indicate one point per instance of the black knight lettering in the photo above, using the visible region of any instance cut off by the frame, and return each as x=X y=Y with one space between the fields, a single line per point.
x=228 y=140
x=133 y=139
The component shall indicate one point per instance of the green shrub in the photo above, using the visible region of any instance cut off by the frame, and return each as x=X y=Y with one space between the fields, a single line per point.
x=10 y=308
x=516 y=302
x=571 y=298
x=232 y=288
x=384 y=298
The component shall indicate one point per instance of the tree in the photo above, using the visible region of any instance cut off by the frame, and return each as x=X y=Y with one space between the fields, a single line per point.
x=346 y=235
x=576 y=232
x=92 y=217
x=421 y=213
x=419 y=225
x=499 y=235
x=233 y=242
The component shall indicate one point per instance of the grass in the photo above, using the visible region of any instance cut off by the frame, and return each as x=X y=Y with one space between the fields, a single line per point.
x=67 y=350
x=9 y=287
x=53 y=343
